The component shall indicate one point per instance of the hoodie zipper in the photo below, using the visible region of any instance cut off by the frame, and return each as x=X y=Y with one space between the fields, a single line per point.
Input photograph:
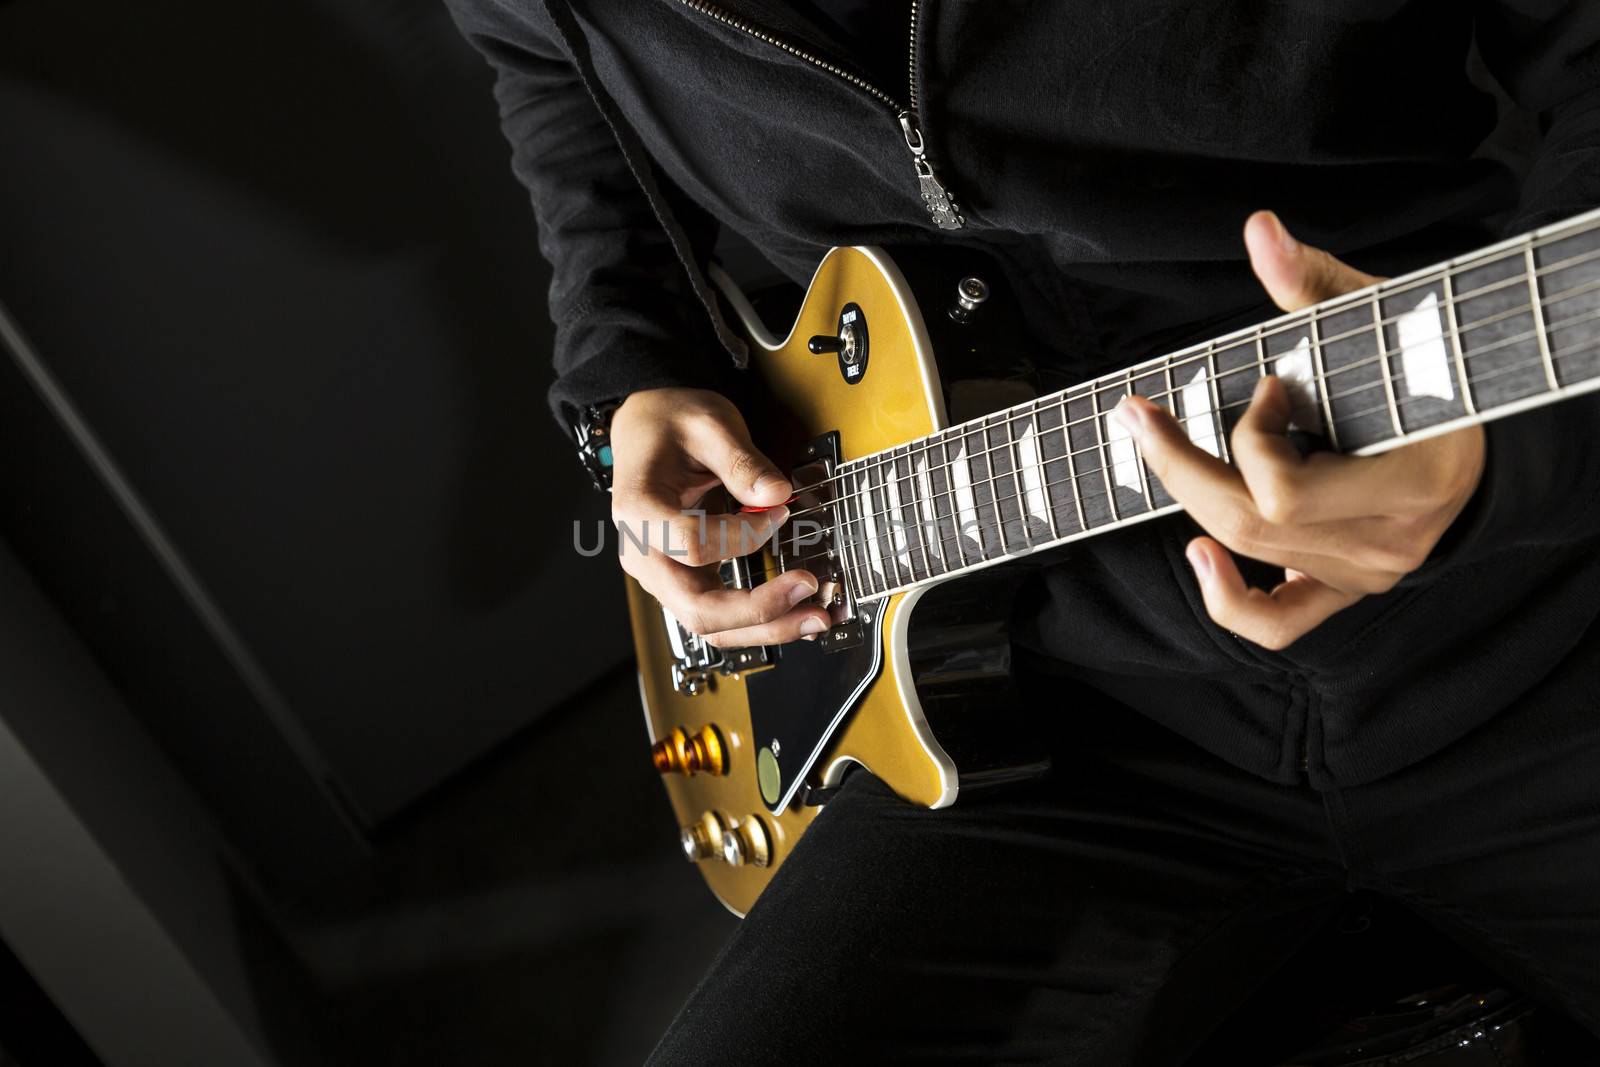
x=936 y=196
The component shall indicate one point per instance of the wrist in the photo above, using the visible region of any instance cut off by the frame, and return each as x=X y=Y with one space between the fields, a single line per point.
x=591 y=430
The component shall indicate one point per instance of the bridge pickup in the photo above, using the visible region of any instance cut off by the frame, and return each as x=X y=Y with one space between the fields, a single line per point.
x=813 y=546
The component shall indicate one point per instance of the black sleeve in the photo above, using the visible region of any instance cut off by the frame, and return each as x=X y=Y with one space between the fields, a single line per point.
x=1541 y=482
x=626 y=317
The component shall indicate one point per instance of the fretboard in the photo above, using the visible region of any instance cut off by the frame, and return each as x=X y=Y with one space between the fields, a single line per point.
x=1511 y=327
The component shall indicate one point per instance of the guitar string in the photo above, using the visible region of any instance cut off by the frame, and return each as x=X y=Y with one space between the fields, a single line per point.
x=1256 y=368
x=952 y=530
x=1085 y=391
x=1297 y=322
x=1127 y=379
x=886 y=458
x=947 y=439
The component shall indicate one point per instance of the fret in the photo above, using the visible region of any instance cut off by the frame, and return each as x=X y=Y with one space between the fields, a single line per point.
x=1357 y=374
x=927 y=507
x=968 y=521
x=941 y=476
x=857 y=540
x=1125 y=464
x=911 y=501
x=895 y=525
x=1056 y=468
x=1320 y=384
x=1216 y=397
x=1388 y=371
x=1537 y=311
x=1239 y=368
x=980 y=491
x=1007 y=485
x=1091 y=484
x=1455 y=343
x=897 y=573
x=844 y=547
x=902 y=519
x=1155 y=384
x=987 y=490
x=1288 y=349
x=1497 y=332
x=1570 y=276
x=1508 y=328
x=1035 y=479
x=1416 y=336
x=867 y=504
x=1138 y=456
x=1103 y=453
x=935 y=489
x=1072 y=466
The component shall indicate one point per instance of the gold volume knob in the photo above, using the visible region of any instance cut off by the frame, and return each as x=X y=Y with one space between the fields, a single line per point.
x=746 y=841
x=682 y=752
x=703 y=840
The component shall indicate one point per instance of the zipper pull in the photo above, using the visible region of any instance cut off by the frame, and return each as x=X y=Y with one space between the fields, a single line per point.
x=941 y=205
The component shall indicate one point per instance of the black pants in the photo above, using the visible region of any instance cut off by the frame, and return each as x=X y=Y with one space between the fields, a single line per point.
x=1115 y=913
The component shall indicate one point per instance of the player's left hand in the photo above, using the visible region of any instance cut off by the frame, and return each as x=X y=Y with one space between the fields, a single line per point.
x=1342 y=527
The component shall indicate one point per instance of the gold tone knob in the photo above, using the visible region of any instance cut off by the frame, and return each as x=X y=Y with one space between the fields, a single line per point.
x=747 y=842
x=703 y=840
x=682 y=752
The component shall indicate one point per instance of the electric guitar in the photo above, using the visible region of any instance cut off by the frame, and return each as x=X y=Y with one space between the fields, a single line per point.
x=896 y=512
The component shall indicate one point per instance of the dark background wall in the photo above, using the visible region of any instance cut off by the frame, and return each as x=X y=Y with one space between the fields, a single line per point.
x=274 y=255
x=282 y=461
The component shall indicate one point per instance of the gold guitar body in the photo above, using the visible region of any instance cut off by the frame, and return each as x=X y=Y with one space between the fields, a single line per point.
x=897 y=398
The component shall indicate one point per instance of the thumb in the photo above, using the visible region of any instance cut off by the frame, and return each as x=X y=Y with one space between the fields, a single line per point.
x=723 y=445
x=1296 y=275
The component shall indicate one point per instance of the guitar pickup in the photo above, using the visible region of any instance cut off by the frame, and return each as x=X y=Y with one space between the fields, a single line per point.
x=810 y=544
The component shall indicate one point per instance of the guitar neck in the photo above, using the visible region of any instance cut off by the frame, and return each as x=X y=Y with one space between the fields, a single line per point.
x=1508 y=328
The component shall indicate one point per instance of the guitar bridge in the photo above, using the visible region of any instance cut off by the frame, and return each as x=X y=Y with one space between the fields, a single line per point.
x=811 y=545
x=695 y=662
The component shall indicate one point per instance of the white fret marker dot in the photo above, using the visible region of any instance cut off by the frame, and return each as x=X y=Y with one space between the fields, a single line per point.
x=1124 y=459
x=961 y=482
x=1294 y=367
x=1423 y=358
x=1197 y=415
x=1033 y=487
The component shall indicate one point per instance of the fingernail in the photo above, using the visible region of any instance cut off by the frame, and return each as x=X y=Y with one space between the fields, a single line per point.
x=778 y=515
x=813 y=626
x=801 y=591
x=771 y=482
x=1200 y=562
x=1129 y=416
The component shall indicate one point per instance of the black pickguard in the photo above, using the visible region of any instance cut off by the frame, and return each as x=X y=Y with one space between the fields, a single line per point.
x=800 y=701
x=960 y=659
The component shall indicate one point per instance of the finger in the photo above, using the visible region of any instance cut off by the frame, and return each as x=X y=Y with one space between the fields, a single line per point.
x=1216 y=496
x=1272 y=620
x=1294 y=490
x=800 y=623
x=723 y=445
x=704 y=606
x=1296 y=275
x=1289 y=488
x=649 y=520
x=1202 y=483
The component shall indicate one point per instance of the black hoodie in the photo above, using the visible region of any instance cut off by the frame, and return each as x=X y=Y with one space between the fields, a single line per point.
x=1106 y=155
